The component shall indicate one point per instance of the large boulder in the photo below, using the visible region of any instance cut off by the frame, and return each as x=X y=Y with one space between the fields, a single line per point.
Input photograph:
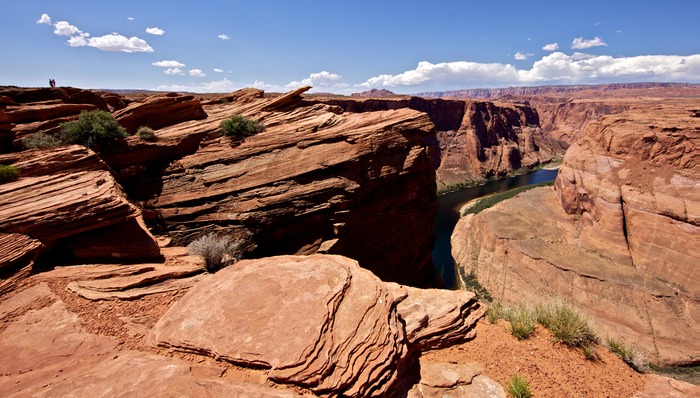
x=160 y=110
x=325 y=323
x=619 y=237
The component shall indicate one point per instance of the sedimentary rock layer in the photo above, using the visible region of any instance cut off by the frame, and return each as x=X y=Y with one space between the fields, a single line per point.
x=620 y=236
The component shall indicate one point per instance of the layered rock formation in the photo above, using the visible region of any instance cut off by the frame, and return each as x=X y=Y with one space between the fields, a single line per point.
x=325 y=324
x=619 y=237
x=160 y=110
x=67 y=200
x=361 y=185
x=475 y=140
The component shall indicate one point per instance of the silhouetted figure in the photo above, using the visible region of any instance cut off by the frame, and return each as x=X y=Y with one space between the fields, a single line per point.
x=52 y=83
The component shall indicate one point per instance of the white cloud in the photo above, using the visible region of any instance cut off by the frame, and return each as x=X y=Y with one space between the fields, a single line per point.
x=130 y=18
x=217 y=70
x=44 y=19
x=551 y=47
x=217 y=86
x=117 y=42
x=168 y=64
x=223 y=37
x=197 y=73
x=580 y=43
x=155 y=31
x=619 y=31
x=79 y=40
x=173 y=71
x=321 y=80
x=555 y=68
x=522 y=56
x=63 y=28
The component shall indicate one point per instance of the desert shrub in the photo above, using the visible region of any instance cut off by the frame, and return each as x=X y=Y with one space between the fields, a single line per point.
x=8 y=173
x=146 y=134
x=40 y=140
x=630 y=353
x=96 y=130
x=522 y=322
x=239 y=127
x=218 y=251
x=494 y=312
x=518 y=387
x=566 y=324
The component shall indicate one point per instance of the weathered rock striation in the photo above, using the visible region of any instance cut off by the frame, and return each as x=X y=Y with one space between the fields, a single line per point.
x=160 y=110
x=325 y=324
x=476 y=140
x=620 y=237
x=360 y=185
x=67 y=199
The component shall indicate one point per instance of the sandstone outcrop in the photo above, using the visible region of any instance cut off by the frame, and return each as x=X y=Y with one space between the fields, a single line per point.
x=160 y=110
x=68 y=200
x=619 y=237
x=359 y=184
x=454 y=380
x=325 y=324
x=476 y=140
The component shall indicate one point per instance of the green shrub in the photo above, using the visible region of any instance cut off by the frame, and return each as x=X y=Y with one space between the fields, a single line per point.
x=630 y=353
x=218 y=251
x=494 y=312
x=518 y=387
x=40 y=140
x=566 y=324
x=8 y=173
x=96 y=130
x=146 y=134
x=239 y=127
x=522 y=322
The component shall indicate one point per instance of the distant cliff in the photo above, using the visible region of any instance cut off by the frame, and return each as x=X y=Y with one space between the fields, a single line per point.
x=476 y=140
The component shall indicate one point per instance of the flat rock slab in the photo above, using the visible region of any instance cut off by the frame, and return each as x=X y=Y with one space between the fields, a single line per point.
x=439 y=380
x=120 y=283
x=131 y=293
x=324 y=323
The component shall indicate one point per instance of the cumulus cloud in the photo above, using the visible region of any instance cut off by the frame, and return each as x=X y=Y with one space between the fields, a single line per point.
x=580 y=43
x=130 y=18
x=522 y=56
x=551 y=47
x=197 y=73
x=112 y=42
x=63 y=28
x=168 y=64
x=217 y=70
x=321 y=80
x=223 y=37
x=117 y=42
x=217 y=86
x=44 y=19
x=555 y=68
x=155 y=31
x=174 y=71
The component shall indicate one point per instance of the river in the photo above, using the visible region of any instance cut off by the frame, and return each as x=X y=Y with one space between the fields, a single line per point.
x=448 y=214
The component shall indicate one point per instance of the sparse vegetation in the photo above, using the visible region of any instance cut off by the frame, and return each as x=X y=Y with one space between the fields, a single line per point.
x=630 y=353
x=491 y=200
x=40 y=140
x=218 y=251
x=494 y=312
x=522 y=322
x=239 y=127
x=8 y=173
x=472 y=284
x=518 y=387
x=96 y=130
x=146 y=134
x=567 y=325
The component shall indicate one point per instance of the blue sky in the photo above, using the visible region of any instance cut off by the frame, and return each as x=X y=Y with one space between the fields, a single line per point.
x=343 y=47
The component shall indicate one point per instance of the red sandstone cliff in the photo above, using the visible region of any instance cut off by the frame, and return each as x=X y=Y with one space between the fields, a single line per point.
x=619 y=237
x=475 y=140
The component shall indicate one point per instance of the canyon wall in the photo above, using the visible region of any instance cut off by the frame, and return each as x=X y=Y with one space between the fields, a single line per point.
x=619 y=235
x=476 y=140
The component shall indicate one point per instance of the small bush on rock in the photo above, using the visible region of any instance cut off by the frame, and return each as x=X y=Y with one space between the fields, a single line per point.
x=40 y=140
x=146 y=134
x=566 y=324
x=96 y=130
x=518 y=387
x=218 y=251
x=630 y=353
x=8 y=173
x=522 y=322
x=239 y=127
